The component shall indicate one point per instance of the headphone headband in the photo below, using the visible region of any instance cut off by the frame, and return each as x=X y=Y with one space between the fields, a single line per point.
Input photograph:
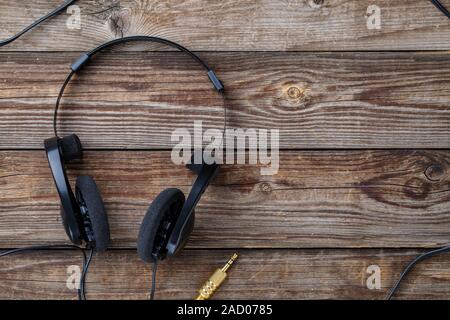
x=84 y=58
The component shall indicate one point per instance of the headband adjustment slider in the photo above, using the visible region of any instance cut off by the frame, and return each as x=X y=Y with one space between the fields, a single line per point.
x=215 y=81
x=80 y=62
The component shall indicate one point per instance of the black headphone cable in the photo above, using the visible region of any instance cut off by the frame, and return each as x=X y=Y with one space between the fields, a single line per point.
x=37 y=22
x=412 y=264
x=67 y=3
x=84 y=273
x=441 y=7
x=153 y=288
x=86 y=261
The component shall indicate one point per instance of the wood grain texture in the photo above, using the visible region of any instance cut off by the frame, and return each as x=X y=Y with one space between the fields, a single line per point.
x=308 y=232
x=258 y=274
x=234 y=25
x=316 y=100
x=318 y=199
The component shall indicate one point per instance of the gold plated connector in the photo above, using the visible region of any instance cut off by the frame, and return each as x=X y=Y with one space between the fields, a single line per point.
x=216 y=279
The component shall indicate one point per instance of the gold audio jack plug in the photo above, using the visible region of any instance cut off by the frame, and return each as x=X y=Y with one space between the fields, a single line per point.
x=216 y=279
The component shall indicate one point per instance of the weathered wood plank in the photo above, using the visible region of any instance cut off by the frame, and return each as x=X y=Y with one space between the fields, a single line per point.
x=319 y=100
x=317 y=199
x=234 y=25
x=258 y=274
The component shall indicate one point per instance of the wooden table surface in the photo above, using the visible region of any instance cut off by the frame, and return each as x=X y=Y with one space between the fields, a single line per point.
x=364 y=120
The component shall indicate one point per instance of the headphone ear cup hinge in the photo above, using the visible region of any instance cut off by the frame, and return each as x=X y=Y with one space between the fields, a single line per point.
x=185 y=222
x=71 y=148
x=70 y=210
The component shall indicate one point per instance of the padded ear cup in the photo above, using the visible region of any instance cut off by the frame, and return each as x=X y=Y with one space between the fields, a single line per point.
x=161 y=215
x=89 y=197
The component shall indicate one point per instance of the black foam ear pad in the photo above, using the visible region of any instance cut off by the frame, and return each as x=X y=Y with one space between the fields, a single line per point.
x=89 y=196
x=71 y=148
x=164 y=210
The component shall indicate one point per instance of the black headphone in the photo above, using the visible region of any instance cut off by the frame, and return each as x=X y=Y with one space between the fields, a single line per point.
x=169 y=220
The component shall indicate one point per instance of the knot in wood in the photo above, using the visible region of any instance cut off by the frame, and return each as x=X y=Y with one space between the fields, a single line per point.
x=316 y=4
x=265 y=187
x=435 y=172
x=294 y=93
